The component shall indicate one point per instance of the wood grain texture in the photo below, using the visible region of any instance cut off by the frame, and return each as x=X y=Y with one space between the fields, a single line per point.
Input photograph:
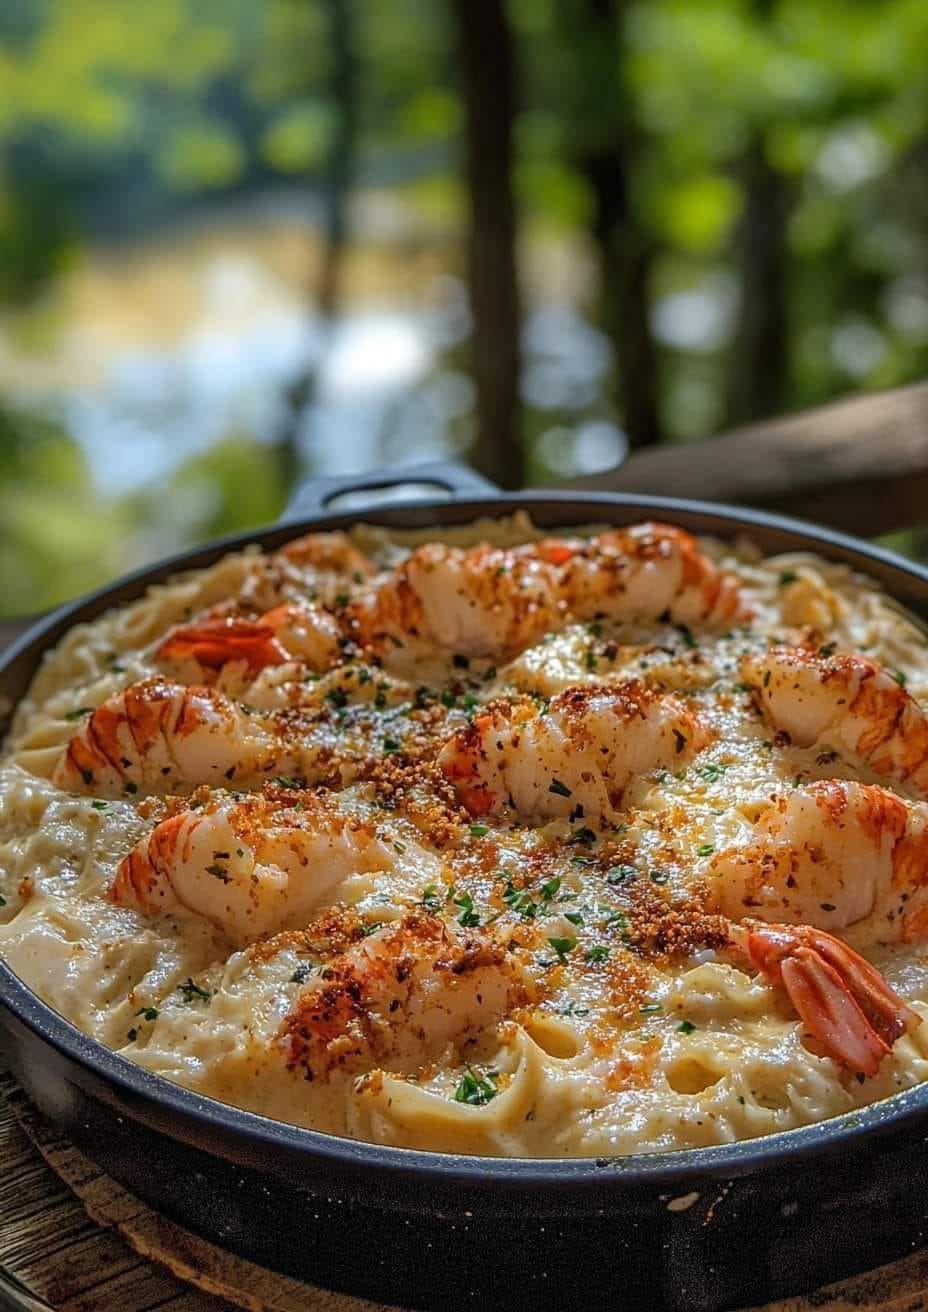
x=50 y=1243
x=860 y=464
x=80 y=1241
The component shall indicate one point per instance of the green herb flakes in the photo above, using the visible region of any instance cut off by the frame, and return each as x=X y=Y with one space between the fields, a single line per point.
x=562 y=946
x=476 y=1090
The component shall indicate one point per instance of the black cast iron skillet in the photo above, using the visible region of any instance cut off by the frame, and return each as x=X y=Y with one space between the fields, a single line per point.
x=701 y=1229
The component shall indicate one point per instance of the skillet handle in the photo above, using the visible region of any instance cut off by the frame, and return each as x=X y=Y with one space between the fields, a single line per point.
x=313 y=498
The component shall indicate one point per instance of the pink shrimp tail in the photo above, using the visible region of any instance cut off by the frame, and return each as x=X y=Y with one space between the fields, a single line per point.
x=843 y=1000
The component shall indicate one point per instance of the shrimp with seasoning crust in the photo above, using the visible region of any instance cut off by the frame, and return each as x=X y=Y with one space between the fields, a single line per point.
x=250 y=865
x=400 y=997
x=582 y=751
x=845 y=702
x=833 y=853
x=157 y=735
x=492 y=601
x=827 y=856
x=292 y=632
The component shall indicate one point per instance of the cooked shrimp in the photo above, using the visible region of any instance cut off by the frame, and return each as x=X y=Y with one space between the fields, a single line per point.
x=400 y=997
x=833 y=853
x=846 y=702
x=293 y=631
x=157 y=735
x=250 y=866
x=489 y=601
x=481 y=602
x=327 y=557
x=844 y=1001
x=582 y=751
x=644 y=571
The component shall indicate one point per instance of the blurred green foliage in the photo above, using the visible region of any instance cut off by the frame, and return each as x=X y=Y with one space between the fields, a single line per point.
x=118 y=117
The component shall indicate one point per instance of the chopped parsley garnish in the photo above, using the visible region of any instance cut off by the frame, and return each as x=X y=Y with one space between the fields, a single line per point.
x=476 y=1090
x=218 y=872
x=430 y=898
x=562 y=946
x=787 y=576
x=337 y=697
x=617 y=920
x=828 y=649
x=573 y=1010
x=620 y=874
x=550 y=888
x=479 y=831
x=390 y=746
x=302 y=973
x=590 y=660
x=99 y=806
x=685 y=1027
x=517 y=900
x=398 y=846
x=285 y=781
x=712 y=772
x=468 y=917
x=598 y=953
x=705 y=849
x=651 y=1008
x=341 y=599
x=469 y=702
x=148 y=1013
x=659 y=876
x=686 y=635
x=574 y=917
x=900 y=678
x=559 y=789
x=189 y=991
x=460 y=662
x=130 y=788
x=448 y=699
x=524 y=904
x=584 y=836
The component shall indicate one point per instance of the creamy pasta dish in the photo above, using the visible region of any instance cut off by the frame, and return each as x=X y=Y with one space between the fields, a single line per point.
x=492 y=843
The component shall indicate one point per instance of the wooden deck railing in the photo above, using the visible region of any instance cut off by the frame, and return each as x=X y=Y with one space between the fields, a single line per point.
x=860 y=465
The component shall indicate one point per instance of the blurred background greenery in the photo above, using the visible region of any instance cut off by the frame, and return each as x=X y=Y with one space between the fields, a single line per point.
x=244 y=240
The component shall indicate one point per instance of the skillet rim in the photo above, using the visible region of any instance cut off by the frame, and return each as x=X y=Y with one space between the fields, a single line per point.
x=668 y=1168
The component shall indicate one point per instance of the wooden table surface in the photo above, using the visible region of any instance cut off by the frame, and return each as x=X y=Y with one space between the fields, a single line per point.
x=48 y=1241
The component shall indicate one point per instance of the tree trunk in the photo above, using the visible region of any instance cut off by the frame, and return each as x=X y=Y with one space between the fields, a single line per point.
x=343 y=91
x=758 y=367
x=626 y=253
x=626 y=256
x=488 y=74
